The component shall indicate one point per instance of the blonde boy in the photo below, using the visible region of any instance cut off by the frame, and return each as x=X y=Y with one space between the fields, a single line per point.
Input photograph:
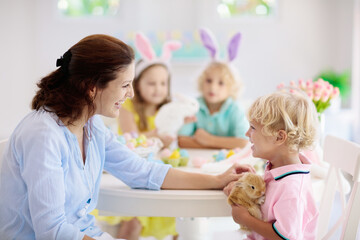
x=281 y=124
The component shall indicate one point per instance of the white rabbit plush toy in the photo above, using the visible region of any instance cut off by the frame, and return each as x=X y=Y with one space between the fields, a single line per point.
x=170 y=116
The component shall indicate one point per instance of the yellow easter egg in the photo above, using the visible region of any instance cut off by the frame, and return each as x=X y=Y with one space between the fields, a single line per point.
x=230 y=153
x=175 y=154
x=143 y=137
x=134 y=142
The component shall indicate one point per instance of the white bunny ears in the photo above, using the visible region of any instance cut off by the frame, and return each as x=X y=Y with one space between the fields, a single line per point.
x=210 y=43
x=148 y=54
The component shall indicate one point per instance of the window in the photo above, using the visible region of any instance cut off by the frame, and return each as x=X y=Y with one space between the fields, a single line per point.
x=240 y=8
x=77 y=8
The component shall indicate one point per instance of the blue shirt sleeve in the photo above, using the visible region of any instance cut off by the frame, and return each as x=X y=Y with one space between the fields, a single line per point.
x=42 y=172
x=129 y=167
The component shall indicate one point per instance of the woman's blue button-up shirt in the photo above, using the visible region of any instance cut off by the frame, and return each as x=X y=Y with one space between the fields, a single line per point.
x=46 y=189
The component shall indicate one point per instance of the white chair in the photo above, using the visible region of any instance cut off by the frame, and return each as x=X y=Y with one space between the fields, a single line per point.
x=342 y=155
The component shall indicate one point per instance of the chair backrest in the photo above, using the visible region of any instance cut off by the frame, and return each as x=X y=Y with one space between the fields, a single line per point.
x=343 y=156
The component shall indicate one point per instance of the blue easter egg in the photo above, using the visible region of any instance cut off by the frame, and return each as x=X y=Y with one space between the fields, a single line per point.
x=184 y=153
x=220 y=156
x=121 y=139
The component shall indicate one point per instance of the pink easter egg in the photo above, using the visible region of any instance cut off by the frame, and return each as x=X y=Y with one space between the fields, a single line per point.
x=130 y=145
x=165 y=153
x=236 y=150
x=127 y=136
x=134 y=134
x=198 y=161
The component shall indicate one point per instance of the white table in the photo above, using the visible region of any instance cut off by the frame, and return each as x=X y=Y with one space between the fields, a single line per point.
x=188 y=206
x=117 y=198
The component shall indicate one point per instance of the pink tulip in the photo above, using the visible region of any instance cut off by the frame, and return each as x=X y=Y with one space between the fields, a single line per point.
x=292 y=84
x=318 y=87
x=335 y=93
x=329 y=89
x=280 y=86
x=321 y=81
x=302 y=84
x=310 y=94
x=317 y=97
x=325 y=96
x=309 y=85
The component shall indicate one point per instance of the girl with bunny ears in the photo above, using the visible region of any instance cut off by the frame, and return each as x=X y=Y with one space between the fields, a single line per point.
x=151 y=91
x=221 y=122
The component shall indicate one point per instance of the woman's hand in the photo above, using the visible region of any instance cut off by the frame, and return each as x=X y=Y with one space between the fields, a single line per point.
x=233 y=173
x=228 y=188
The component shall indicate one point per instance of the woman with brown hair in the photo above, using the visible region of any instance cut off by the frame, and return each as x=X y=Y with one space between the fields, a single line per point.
x=52 y=166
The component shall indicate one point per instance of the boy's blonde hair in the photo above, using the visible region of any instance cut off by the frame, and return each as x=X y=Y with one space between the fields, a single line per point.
x=230 y=77
x=292 y=112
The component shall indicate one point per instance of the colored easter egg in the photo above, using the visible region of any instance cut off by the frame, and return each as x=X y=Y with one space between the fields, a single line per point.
x=144 y=144
x=237 y=150
x=134 y=134
x=121 y=139
x=175 y=154
x=220 y=156
x=127 y=136
x=230 y=153
x=133 y=141
x=139 y=140
x=165 y=153
x=142 y=136
x=198 y=161
x=184 y=153
x=130 y=145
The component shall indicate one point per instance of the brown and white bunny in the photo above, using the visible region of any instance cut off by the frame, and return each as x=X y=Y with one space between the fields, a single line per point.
x=249 y=191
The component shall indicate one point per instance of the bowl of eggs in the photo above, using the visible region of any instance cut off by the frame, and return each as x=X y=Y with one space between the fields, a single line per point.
x=140 y=144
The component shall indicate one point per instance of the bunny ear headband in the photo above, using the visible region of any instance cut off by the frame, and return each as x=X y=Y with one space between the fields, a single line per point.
x=209 y=42
x=148 y=55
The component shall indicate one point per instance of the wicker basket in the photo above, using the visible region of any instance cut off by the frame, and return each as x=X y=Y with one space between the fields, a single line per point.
x=155 y=148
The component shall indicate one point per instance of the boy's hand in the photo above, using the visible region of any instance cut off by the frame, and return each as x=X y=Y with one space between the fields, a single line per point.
x=202 y=136
x=240 y=214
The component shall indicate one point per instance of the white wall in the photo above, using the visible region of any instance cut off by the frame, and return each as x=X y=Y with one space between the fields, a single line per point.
x=306 y=37
x=17 y=59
